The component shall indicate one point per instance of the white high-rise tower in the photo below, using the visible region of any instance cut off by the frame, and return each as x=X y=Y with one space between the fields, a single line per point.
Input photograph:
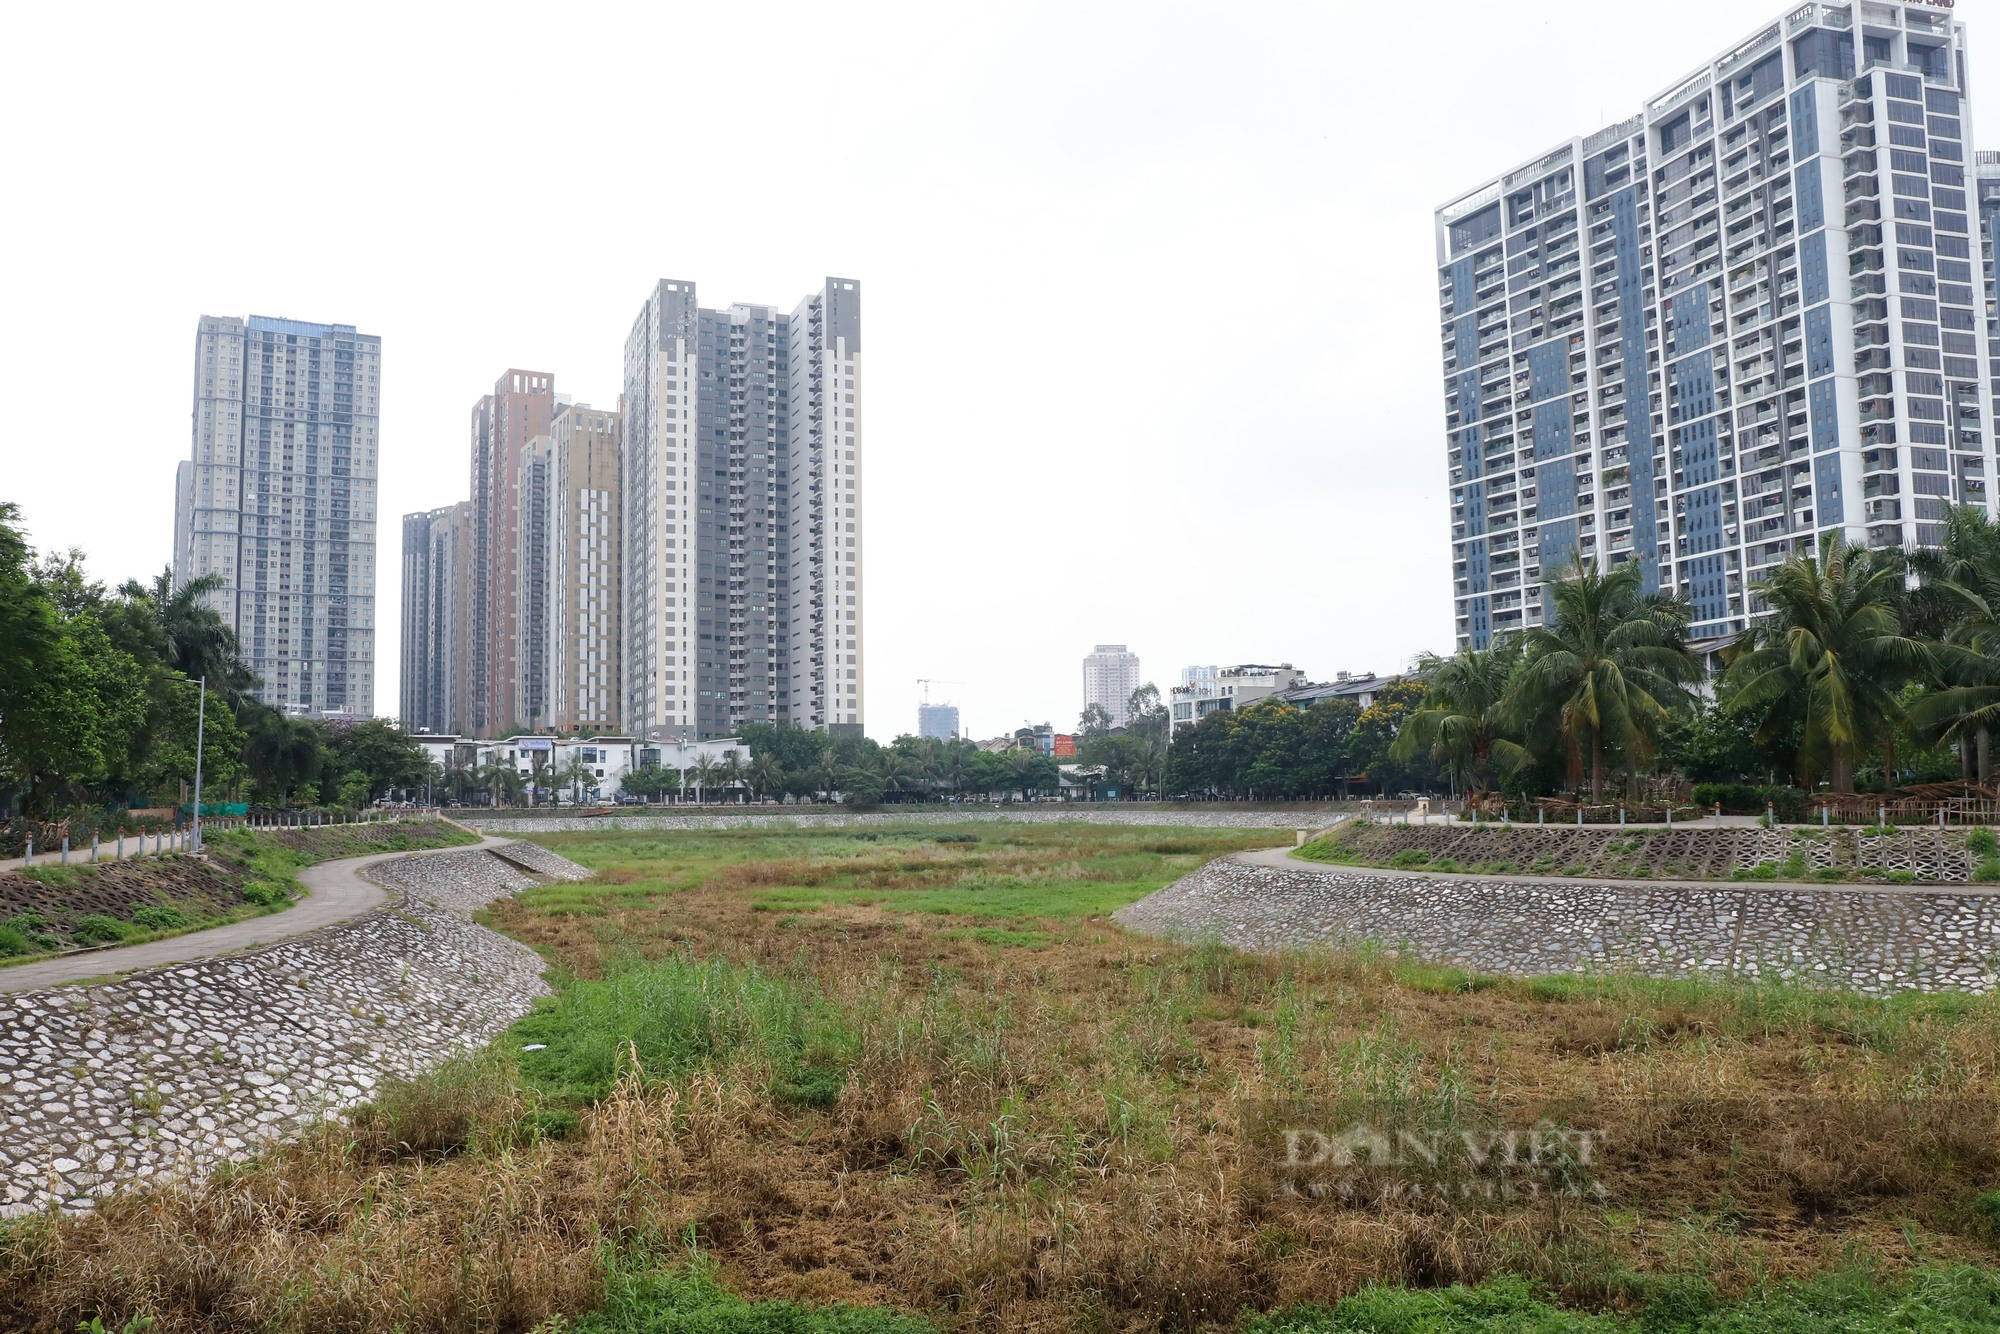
x=278 y=499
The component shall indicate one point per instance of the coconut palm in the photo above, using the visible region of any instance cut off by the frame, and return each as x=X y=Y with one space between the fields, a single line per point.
x=1605 y=667
x=1966 y=562
x=730 y=773
x=901 y=772
x=704 y=769
x=500 y=782
x=579 y=774
x=765 y=775
x=1831 y=654
x=1462 y=721
x=826 y=772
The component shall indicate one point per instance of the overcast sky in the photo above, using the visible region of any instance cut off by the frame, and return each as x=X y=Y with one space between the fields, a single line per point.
x=1149 y=300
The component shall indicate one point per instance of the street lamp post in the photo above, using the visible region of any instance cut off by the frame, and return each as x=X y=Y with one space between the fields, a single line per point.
x=200 y=735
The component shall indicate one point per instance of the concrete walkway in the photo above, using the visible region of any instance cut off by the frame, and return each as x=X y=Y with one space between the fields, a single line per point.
x=336 y=892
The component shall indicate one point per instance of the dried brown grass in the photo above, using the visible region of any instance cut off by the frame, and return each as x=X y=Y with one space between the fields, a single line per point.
x=1053 y=1138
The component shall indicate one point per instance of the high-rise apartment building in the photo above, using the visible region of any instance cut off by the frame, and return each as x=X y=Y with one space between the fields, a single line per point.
x=1701 y=337
x=435 y=548
x=518 y=410
x=528 y=601
x=1110 y=675
x=1987 y=169
x=741 y=501
x=581 y=652
x=278 y=498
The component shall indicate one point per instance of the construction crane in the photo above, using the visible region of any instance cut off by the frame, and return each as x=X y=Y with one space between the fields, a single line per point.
x=928 y=681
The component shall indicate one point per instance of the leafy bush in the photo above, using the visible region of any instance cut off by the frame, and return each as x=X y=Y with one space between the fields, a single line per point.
x=265 y=894
x=97 y=929
x=158 y=917
x=1988 y=871
x=1734 y=798
x=954 y=838
x=1982 y=842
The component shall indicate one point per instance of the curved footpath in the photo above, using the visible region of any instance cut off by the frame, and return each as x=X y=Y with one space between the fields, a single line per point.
x=177 y=1069
x=1868 y=938
x=336 y=892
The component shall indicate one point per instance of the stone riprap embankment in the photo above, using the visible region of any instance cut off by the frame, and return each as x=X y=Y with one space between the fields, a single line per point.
x=1880 y=940
x=772 y=817
x=174 y=1071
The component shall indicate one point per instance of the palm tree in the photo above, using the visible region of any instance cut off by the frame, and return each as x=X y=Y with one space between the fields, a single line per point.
x=765 y=775
x=730 y=771
x=499 y=781
x=826 y=773
x=1967 y=561
x=704 y=775
x=1957 y=603
x=579 y=775
x=1462 y=721
x=193 y=638
x=1601 y=668
x=1831 y=653
x=901 y=772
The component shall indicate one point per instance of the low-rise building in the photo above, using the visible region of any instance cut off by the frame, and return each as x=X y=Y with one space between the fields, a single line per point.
x=569 y=769
x=1360 y=687
x=1204 y=691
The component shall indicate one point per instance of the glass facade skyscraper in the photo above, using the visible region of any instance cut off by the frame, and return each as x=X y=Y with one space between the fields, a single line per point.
x=1746 y=316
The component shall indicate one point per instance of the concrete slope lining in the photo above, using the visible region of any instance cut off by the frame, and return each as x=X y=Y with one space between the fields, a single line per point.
x=172 y=1071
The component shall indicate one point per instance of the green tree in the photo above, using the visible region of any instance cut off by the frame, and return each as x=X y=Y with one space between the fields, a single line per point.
x=729 y=774
x=1094 y=722
x=381 y=752
x=578 y=775
x=766 y=776
x=1704 y=743
x=1463 y=722
x=188 y=635
x=283 y=753
x=1829 y=657
x=902 y=774
x=1327 y=742
x=1604 y=670
x=705 y=768
x=182 y=717
x=1957 y=605
x=1375 y=732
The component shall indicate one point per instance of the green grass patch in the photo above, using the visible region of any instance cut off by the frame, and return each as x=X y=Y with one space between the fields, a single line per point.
x=674 y=1015
x=1003 y=874
x=655 y=1295
x=1442 y=980
x=1957 y=1300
